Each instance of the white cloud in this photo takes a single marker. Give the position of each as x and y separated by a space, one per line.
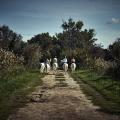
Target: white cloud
114 21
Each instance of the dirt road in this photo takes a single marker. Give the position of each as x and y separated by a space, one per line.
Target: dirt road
59 98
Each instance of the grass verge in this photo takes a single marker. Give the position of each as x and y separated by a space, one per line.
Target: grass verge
102 90
14 91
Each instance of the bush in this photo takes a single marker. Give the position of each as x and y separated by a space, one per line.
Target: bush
102 66
10 64
114 71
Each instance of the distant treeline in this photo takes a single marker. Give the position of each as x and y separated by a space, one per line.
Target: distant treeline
72 42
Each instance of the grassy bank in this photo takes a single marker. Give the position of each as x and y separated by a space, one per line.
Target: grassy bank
13 90
102 90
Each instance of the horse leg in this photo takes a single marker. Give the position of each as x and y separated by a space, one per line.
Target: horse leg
41 69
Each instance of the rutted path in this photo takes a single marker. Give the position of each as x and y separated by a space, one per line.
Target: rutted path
60 98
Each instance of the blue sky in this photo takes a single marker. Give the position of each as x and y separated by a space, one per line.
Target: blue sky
31 17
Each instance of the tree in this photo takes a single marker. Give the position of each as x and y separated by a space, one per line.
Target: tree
75 39
44 40
79 25
10 40
32 55
115 49
115 52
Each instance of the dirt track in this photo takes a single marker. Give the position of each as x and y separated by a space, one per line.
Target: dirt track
60 98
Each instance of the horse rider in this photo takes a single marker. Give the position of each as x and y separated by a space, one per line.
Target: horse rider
64 60
73 60
55 64
47 61
55 59
73 65
65 65
47 65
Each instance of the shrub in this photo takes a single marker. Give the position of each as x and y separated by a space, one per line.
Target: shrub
10 63
102 66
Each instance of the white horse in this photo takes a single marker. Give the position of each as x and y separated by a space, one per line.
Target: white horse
73 67
47 68
55 67
42 67
65 67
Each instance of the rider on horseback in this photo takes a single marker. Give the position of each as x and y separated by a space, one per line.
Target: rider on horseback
73 65
65 65
47 65
73 60
55 59
47 61
64 60
55 63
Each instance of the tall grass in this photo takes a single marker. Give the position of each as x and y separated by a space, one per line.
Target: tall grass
108 88
14 88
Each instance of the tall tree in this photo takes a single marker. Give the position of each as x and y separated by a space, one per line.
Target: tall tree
10 40
115 49
74 38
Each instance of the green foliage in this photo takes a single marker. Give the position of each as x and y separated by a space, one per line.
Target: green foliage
32 54
114 71
10 40
102 66
44 40
115 49
74 36
106 89
72 40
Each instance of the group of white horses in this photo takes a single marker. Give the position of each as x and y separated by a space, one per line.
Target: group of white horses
46 67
